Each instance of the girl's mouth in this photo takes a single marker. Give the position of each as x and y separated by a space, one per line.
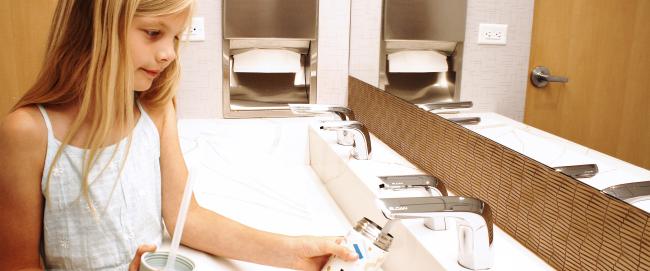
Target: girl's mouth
151 73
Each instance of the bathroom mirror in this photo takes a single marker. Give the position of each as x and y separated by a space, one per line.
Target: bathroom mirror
373 49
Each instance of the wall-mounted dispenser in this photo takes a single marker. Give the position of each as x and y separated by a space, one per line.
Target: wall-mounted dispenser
269 56
421 49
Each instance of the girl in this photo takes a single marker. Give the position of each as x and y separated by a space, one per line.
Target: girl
91 163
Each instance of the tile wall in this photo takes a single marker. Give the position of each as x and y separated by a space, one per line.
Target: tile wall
199 94
494 77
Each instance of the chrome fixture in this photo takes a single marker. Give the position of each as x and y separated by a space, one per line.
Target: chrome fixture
630 192
434 186
446 105
342 112
342 137
421 49
269 56
541 76
579 171
361 144
474 223
466 120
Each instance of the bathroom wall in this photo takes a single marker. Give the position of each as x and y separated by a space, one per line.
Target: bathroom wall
199 94
494 77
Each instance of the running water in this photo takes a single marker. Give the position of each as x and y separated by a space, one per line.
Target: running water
180 223
386 228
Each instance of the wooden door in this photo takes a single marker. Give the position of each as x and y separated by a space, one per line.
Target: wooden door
603 47
24 26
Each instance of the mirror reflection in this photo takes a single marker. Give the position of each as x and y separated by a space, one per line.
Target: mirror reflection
435 54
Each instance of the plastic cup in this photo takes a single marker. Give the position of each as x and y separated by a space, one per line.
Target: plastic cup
156 261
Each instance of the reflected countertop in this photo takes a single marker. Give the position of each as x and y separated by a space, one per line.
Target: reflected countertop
553 150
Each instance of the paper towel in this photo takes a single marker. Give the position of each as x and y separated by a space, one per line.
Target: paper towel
267 61
417 62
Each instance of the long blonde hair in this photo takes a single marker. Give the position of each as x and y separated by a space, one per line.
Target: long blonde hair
87 62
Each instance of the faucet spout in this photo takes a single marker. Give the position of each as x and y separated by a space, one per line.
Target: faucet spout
579 171
447 105
342 137
466 120
342 112
630 192
434 186
474 223
361 145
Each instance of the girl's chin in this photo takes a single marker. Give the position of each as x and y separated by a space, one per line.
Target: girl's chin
142 86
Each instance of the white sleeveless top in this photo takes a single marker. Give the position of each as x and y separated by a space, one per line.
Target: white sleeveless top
127 210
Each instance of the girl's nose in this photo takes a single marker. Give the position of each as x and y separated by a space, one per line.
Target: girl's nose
166 54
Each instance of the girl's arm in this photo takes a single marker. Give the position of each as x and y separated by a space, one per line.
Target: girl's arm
23 143
218 235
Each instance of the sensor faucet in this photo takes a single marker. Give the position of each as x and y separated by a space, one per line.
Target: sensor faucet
475 224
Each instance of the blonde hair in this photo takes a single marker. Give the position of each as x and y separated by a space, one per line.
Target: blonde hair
87 62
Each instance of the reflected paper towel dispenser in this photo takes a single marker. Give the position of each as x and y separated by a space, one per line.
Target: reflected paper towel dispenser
421 49
269 56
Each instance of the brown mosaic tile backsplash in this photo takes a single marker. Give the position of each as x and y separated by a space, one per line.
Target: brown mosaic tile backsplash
568 224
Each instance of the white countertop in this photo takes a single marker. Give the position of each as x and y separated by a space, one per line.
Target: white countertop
256 171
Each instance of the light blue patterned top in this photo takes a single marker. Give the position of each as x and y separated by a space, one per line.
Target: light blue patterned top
128 206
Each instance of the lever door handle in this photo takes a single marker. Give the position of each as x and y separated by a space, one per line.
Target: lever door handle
541 76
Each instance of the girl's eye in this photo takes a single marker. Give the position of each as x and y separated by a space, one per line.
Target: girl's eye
152 33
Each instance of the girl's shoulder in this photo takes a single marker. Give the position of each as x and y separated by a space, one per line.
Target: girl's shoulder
160 114
24 130
25 122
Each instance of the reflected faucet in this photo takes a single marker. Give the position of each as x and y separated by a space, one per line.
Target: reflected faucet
361 138
446 105
630 192
466 121
442 107
474 225
342 137
579 171
433 186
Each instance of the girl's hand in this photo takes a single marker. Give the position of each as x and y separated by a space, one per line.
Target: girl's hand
135 263
311 253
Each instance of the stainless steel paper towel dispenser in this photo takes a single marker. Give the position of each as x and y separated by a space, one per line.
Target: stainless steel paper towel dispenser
269 56
421 49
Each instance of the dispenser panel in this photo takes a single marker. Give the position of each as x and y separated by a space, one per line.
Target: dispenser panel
270 19
433 20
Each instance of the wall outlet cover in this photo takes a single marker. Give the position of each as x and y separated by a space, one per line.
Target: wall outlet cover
492 34
196 31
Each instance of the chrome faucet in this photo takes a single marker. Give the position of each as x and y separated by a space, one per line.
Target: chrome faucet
630 192
474 224
446 105
466 120
433 107
431 184
342 137
361 138
579 171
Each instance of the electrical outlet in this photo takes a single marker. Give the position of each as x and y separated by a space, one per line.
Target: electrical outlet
196 31
492 34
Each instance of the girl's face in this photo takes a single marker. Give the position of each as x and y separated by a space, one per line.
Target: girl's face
151 45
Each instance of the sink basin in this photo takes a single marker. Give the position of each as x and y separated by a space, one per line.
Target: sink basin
261 181
354 185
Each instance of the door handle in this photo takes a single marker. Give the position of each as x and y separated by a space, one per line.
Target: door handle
540 76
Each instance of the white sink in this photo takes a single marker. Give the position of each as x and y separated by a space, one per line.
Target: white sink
354 186
256 171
